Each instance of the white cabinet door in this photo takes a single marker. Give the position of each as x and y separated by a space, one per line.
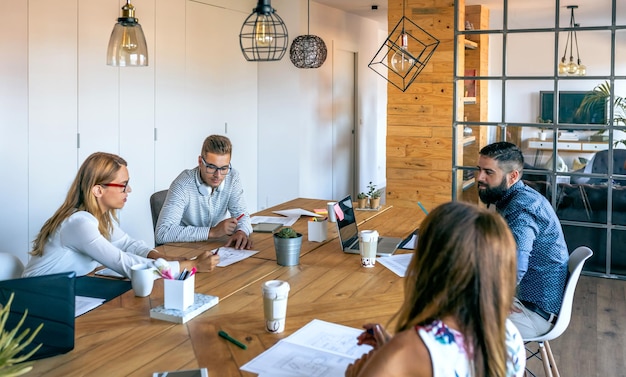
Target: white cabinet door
52 87
215 93
14 130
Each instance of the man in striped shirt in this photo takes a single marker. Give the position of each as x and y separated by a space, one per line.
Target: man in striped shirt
198 200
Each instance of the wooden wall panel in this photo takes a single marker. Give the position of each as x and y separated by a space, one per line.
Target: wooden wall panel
419 120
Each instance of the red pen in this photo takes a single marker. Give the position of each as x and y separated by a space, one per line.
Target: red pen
240 216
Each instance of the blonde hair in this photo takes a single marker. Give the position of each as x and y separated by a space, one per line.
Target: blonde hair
97 169
464 266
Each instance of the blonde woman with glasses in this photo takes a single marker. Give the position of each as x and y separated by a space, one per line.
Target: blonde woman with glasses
84 233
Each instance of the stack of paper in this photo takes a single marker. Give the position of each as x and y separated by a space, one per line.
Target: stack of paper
318 349
85 304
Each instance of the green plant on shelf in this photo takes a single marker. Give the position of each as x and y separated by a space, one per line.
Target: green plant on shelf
361 195
600 96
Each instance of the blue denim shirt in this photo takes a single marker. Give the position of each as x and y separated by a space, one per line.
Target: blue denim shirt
542 254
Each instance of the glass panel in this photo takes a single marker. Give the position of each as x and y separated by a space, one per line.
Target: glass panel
522 100
594 50
522 46
594 238
527 14
588 14
618 252
582 202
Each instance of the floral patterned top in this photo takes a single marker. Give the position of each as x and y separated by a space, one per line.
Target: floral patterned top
449 357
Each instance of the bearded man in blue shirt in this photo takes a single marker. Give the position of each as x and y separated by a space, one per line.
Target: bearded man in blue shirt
542 254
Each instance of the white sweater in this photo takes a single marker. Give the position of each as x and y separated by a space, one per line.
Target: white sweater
77 245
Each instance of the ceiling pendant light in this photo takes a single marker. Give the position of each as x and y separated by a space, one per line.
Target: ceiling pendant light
572 68
308 51
404 54
127 45
263 35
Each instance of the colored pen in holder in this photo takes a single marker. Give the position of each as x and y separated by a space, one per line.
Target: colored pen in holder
179 294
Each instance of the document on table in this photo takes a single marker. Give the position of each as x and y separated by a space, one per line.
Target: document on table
398 263
230 255
85 304
285 221
296 213
319 349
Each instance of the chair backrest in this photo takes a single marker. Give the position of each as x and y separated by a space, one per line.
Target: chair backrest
575 266
11 267
156 203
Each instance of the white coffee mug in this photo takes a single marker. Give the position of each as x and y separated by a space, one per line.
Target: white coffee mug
142 279
332 216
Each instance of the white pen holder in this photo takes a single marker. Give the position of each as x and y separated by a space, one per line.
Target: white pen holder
178 294
318 231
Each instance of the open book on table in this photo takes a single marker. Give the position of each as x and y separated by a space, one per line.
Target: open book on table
320 349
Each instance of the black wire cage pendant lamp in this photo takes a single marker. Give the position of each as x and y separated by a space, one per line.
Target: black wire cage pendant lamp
572 68
404 54
127 45
308 51
263 35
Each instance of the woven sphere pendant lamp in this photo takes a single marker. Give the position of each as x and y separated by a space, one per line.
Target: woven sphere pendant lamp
308 51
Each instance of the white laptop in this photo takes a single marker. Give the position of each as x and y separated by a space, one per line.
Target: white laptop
349 232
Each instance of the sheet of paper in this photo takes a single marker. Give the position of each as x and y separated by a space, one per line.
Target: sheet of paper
230 255
296 212
319 349
85 304
285 221
110 273
398 263
410 245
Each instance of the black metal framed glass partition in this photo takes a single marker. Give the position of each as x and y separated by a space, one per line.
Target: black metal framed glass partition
570 127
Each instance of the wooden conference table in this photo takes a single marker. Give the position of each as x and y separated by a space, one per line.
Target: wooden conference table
120 339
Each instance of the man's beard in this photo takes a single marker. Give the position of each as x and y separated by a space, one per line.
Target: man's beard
491 195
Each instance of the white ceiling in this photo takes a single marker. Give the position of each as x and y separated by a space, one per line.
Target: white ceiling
361 8
588 9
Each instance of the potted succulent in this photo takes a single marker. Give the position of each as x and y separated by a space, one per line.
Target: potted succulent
374 196
287 243
361 199
12 343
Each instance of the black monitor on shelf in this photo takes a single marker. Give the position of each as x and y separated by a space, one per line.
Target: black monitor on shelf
569 102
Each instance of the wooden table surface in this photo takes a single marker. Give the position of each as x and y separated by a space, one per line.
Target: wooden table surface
120 339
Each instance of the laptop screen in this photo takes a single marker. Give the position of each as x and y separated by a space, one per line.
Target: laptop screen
49 299
348 231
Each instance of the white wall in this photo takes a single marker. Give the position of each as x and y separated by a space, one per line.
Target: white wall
295 109
56 88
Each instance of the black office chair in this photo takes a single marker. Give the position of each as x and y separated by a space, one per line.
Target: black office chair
156 203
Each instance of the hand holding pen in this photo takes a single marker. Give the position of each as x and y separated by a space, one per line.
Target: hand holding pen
374 335
225 227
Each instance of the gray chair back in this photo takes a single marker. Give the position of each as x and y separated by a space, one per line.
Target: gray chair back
156 203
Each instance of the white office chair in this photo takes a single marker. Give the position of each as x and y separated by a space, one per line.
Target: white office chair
11 267
544 353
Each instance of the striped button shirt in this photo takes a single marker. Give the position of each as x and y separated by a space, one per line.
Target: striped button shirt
191 209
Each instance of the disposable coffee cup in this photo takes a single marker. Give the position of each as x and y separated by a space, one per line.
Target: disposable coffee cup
142 279
368 243
275 294
332 216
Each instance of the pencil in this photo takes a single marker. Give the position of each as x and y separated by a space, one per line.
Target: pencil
240 216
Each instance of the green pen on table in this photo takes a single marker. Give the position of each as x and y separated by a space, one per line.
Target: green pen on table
234 341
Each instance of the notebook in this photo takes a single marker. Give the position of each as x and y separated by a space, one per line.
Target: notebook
50 299
349 232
